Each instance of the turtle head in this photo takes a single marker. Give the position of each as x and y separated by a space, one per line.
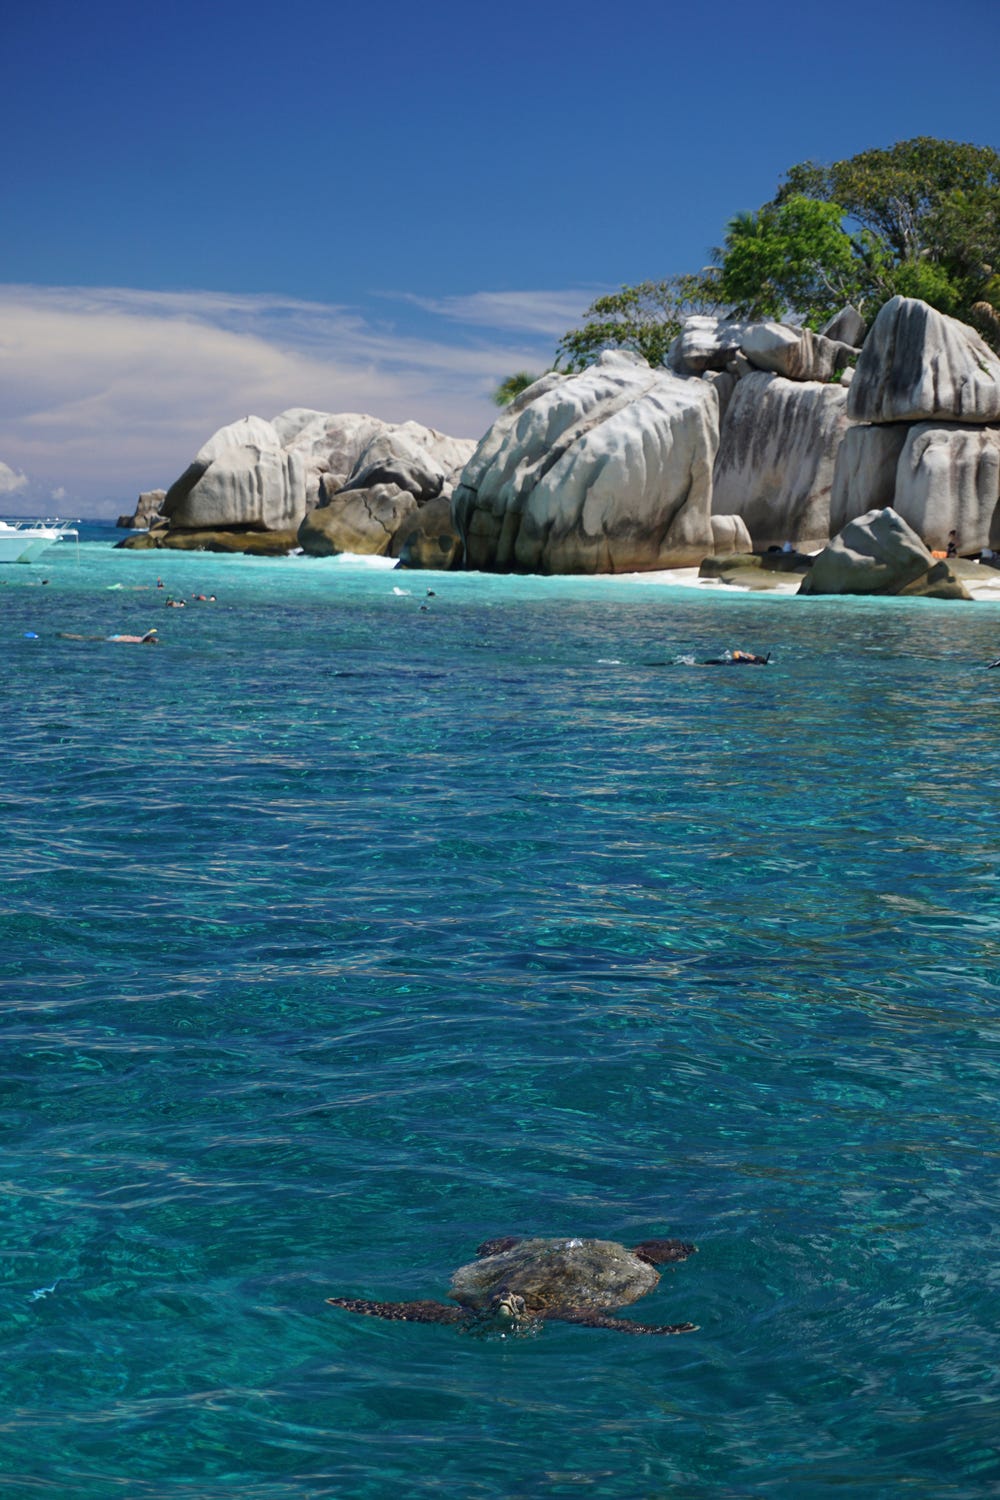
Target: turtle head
504 1316
508 1307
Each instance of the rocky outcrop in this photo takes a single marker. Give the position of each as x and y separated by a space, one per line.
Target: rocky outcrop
249 543
864 474
397 456
606 471
796 353
147 511
948 478
920 365
776 458
241 477
428 538
362 521
730 535
847 327
705 343
267 475
878 553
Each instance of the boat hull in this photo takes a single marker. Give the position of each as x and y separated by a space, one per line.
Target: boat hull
25 542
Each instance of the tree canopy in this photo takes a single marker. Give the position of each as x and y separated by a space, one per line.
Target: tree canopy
920 218
644 318
508 390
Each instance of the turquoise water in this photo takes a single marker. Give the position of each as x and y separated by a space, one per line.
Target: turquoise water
339 934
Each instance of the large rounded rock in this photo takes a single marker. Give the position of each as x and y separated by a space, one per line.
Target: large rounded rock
408 457
846 327
250 485
948 479
705 343
328 444
606 471
268 474
796 353
428 538
776 457
361 521
920 365
864 474
880 554
730 535
238 446
147 511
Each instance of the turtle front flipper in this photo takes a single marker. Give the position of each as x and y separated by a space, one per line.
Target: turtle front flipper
622 1325
497 1247
660 1252
402 1312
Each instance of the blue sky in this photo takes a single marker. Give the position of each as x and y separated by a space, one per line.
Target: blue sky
210 209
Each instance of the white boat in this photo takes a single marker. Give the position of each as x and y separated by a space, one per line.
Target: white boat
25 541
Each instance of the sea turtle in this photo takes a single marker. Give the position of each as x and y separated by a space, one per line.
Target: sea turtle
516 1283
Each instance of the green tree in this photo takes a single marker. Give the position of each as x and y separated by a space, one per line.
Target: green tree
644 318
508 390
790 259
929 215
899 193
920 218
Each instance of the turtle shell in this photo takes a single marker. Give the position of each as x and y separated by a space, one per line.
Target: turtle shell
551 1274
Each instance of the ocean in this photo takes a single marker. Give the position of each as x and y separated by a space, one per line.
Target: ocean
372 914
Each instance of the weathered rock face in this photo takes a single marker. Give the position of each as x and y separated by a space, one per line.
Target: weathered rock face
724 384
146 512
602 472
796 353
730 535
250 543
847 327
244 486
705 343
238 478
920 365
880 554
267 474
428 538
361 521
397 456
864 474
948 478
776 457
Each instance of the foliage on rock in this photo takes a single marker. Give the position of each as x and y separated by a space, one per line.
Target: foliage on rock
644 318
918 219
508 390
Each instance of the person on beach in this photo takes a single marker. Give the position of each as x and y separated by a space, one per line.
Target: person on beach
952 548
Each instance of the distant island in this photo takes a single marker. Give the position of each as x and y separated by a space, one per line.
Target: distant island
740 419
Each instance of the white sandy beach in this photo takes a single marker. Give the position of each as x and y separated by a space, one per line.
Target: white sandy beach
983 582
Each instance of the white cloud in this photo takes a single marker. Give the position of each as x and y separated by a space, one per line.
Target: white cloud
10 480
550 313
108 391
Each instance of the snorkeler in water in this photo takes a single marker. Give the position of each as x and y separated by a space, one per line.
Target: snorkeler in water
149 639
737 659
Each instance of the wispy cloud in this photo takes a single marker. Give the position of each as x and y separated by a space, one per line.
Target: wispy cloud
10 480
549 313
106 391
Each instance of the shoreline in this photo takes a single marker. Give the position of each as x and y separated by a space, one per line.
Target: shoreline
985 588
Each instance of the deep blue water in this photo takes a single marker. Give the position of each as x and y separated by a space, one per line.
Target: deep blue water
339 934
